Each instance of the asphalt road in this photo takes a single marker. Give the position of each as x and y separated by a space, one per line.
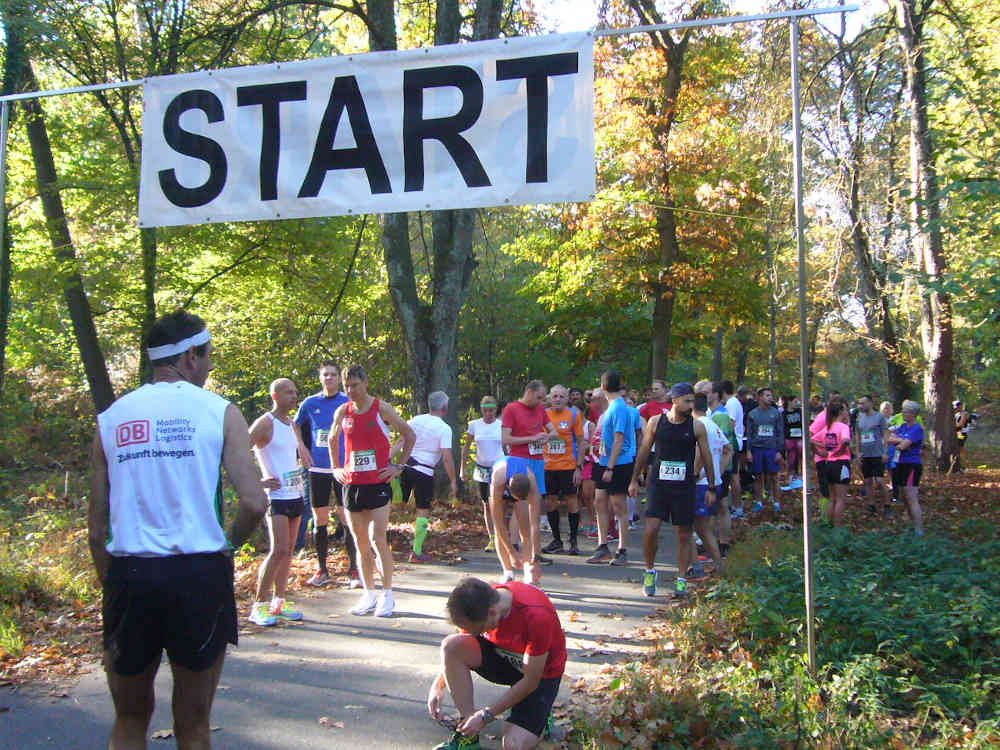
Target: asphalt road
369 675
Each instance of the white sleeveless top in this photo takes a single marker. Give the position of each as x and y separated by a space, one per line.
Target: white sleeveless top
280 459
163 444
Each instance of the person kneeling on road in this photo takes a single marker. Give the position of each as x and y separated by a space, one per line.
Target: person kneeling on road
509 634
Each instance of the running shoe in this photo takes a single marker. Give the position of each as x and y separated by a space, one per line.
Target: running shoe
355 578
490 546
543 525
613 534
322 578
260 614
592 532
633 525
601 555
757 507
507 576
460 742
385 605
285 609
777 507
649 582
736 513
366 604
680 588
573 549
421 558
555 547
620 558
540 560
696 571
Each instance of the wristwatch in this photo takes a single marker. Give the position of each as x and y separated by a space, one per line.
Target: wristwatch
487 715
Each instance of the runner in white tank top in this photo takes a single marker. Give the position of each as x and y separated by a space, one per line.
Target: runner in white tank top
156 536
279 447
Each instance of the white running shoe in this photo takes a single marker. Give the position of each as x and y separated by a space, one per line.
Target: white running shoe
367 603
385 604
507 576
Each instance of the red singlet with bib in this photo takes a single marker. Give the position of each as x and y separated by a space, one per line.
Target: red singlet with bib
366 444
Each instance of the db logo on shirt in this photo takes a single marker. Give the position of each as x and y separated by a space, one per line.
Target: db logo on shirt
130 433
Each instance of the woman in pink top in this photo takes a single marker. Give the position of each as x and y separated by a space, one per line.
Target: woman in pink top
830 436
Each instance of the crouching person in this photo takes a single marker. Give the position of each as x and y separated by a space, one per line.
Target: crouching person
509 635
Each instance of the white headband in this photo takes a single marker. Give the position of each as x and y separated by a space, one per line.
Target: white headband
169 350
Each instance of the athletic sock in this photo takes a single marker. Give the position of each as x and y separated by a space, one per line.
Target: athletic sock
553 516
420 534
350 548
574 526
322 545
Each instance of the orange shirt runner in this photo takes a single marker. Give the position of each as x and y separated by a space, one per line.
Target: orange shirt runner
560 453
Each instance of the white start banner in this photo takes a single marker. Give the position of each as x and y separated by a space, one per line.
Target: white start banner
500 122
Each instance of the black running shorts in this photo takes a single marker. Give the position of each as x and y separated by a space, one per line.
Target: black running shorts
532 713
559 482
359 497
288 508
838 472
420 484
320 487
872 467
671 505
621 475
183 603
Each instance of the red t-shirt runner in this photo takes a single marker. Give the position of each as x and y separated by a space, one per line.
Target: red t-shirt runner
366 444
531 627
651 408
524 421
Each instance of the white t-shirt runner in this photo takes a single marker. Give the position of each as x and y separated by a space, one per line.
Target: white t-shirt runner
489 446
433 436
717 442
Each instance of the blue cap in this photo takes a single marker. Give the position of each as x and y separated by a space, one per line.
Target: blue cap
681 389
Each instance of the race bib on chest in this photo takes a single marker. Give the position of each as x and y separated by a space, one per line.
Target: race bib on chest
673 471
536 448
794 432
480 474
765 430
868 436
292 480
363 461
557 447
322 437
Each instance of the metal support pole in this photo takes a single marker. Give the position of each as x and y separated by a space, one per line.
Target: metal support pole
800 221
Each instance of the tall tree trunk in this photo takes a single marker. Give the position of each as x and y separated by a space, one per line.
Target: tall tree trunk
430 328
925 211
717 354
663 290
10 82
69 276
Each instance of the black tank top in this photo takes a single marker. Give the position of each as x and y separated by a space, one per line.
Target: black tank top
675 447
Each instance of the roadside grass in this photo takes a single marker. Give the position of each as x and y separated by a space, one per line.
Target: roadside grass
908 643
47 583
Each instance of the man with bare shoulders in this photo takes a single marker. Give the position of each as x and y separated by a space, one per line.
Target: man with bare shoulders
162 556
676 437
278 447
365 473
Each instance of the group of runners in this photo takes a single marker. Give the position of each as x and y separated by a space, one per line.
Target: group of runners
687 452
